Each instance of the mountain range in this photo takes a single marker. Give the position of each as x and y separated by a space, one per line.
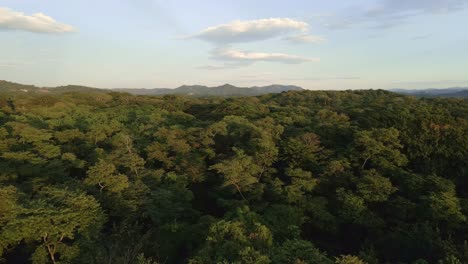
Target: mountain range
191 90
222 91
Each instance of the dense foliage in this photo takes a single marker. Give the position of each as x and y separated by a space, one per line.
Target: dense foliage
297 177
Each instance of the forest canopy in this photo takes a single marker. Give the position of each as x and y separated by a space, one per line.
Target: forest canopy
342 177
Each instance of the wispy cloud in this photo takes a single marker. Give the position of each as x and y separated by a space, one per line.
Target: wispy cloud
13 64
224 66
8 65
228 54
350 78
392 7
37 23
421 37
305 38
389 13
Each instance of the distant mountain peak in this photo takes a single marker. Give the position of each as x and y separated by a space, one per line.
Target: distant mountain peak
226 85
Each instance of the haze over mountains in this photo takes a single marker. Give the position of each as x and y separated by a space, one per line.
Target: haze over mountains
447 92
222 91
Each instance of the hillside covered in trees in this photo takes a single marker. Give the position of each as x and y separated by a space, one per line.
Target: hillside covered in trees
297 177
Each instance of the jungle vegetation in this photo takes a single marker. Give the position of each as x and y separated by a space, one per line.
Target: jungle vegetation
344 177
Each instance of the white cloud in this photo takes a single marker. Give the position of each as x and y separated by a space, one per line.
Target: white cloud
37 23
222 36
306 38
251 30
228 54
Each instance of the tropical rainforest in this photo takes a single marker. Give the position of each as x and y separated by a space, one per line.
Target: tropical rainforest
345 177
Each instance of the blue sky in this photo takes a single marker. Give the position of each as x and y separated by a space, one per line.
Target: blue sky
331 44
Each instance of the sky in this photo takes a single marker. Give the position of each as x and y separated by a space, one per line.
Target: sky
333 44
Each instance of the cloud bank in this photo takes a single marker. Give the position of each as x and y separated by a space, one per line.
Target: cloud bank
224 35
251 30
37 23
